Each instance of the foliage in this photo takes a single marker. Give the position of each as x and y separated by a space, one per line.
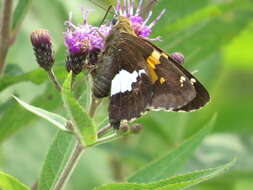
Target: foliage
214 36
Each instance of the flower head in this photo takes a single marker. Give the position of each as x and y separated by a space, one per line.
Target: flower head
84 37
140 25
42 47
82 40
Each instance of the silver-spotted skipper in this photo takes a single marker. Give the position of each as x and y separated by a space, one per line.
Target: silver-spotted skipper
138 76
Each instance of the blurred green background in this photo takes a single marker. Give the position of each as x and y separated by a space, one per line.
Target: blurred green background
216 37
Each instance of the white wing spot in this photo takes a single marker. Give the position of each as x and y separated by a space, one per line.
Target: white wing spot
193 80
182 79
122 82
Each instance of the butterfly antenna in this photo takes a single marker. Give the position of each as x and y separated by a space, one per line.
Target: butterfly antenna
97 4
106 14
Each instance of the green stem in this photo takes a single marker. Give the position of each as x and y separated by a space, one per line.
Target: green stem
78 150
69 167
107 139
54 79
5 30
101 132
94 105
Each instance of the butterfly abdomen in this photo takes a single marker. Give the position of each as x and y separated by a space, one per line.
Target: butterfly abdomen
102 78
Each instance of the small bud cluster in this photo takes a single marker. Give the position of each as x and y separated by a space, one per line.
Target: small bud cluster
178 57
126 129
42 47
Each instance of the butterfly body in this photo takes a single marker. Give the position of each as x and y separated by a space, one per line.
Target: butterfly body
138 76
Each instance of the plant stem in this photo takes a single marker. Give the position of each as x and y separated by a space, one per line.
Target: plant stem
94 105
117 169
54 79
108 139
5 30
78 150
70 166
103 130
35 185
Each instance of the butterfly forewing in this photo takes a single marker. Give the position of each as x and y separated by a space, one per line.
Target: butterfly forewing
131 88
202 97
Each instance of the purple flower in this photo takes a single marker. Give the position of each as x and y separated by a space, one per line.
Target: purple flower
84 38
140 26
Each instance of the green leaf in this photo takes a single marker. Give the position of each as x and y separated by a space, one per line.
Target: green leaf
49 100
122 186
8 182
37 76
83 124
212 24
20 12
57 157
174 183
189 179
53 118
172 161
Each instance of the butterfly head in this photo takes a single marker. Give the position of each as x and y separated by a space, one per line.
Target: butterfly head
122 24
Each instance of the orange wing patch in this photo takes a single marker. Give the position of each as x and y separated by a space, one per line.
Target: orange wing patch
152 61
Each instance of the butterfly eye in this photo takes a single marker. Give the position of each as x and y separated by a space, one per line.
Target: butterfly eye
114 21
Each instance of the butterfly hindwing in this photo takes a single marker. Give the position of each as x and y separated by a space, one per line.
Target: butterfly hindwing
201 98
131 88
172 89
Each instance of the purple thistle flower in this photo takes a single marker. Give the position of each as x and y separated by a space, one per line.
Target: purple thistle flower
139 25
83 40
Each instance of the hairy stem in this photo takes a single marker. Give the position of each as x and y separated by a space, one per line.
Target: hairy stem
94 105
101 132
5 30
54 79
78 150
69 167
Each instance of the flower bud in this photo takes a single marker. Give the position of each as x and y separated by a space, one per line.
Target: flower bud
42 47
93 56
178 57
136 128
75 62
123 129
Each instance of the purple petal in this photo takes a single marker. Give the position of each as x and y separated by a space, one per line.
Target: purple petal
132 8
157 18
147 19
125 8
139 8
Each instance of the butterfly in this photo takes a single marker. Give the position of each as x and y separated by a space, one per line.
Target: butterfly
138 76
